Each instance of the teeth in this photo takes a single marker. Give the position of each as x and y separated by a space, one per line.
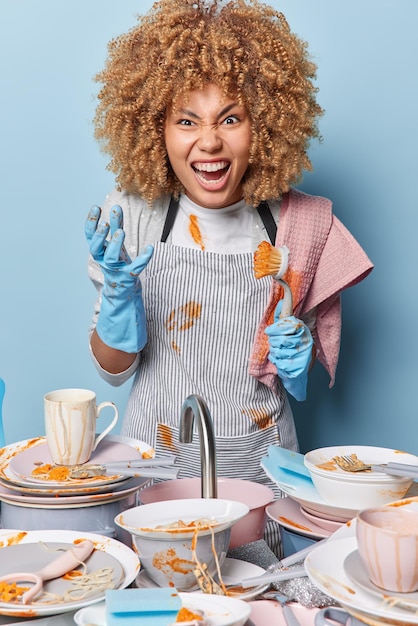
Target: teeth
211 167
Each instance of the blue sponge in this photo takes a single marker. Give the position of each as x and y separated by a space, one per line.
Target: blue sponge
154 606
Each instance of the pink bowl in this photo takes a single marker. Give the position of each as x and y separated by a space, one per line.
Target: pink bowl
254 495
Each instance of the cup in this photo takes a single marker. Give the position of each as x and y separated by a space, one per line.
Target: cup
70 424
387 539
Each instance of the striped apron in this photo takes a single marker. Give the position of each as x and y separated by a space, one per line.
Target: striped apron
202 310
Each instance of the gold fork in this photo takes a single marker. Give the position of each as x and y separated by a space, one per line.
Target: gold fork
351 463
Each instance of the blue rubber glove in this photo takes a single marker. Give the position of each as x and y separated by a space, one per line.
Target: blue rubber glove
290 351
121 323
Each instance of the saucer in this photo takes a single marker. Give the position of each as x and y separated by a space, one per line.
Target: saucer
355 570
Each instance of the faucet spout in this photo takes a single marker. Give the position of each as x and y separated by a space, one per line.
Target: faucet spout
195 408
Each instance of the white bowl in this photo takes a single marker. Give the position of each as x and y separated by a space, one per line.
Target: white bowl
222 610
357 490
255 495
165 547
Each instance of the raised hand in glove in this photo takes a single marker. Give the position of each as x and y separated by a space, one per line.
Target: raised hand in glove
121 323
290 351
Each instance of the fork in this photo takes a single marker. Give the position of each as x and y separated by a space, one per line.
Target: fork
351 463
289 617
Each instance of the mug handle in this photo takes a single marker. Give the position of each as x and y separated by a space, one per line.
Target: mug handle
337 616
111 425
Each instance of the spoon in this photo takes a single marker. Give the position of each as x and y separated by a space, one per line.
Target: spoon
64 563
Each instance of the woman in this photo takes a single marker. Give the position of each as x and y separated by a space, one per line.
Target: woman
207 131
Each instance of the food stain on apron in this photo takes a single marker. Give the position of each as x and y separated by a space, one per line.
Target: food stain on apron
194 230
260 418
183 319
165 436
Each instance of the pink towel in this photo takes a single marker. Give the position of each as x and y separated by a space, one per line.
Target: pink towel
324 260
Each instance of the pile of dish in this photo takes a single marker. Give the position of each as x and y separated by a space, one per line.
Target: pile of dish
305 511
335 567
87 504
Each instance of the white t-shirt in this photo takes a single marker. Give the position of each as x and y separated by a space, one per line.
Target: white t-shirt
232 229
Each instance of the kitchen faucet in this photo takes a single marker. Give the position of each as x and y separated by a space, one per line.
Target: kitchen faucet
194 407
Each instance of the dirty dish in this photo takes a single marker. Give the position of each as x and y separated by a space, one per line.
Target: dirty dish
66 561
287 513
29 455
231 570
326 524
357 490
194 532
220 611
325 567
28 548
255 495
354 569
121 489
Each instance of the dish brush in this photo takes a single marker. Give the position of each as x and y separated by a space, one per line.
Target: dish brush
272 261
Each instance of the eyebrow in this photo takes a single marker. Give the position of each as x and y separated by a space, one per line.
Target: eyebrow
224 111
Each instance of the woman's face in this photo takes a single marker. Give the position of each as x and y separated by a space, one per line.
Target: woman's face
207 137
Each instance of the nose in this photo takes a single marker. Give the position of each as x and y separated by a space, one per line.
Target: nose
209 138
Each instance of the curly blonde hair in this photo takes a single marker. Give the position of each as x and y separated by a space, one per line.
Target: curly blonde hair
243 46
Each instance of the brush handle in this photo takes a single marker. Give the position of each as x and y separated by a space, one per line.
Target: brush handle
287 306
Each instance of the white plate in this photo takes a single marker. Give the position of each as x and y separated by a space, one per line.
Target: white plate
355 570
232 569
129 564
119 491
26 458
301 489
219 610
235 569
269 613
113 447
287 513
325 567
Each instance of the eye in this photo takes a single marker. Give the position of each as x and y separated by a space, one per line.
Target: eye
231 119
185 122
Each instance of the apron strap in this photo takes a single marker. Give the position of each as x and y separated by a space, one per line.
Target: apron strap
268 221
170 218
263 211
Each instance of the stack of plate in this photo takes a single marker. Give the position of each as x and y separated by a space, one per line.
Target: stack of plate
304 512
84 504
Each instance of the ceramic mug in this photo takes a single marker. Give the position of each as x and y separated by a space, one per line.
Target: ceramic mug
332 617
70 424
387 539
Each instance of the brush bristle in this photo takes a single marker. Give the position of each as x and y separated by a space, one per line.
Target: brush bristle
267 260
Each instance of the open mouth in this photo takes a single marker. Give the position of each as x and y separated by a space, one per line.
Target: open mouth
211 173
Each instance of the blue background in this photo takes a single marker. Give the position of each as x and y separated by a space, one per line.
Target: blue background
52 172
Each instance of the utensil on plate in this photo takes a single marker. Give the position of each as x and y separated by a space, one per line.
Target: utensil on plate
268 577
63 564
141 468
289 617
351 463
